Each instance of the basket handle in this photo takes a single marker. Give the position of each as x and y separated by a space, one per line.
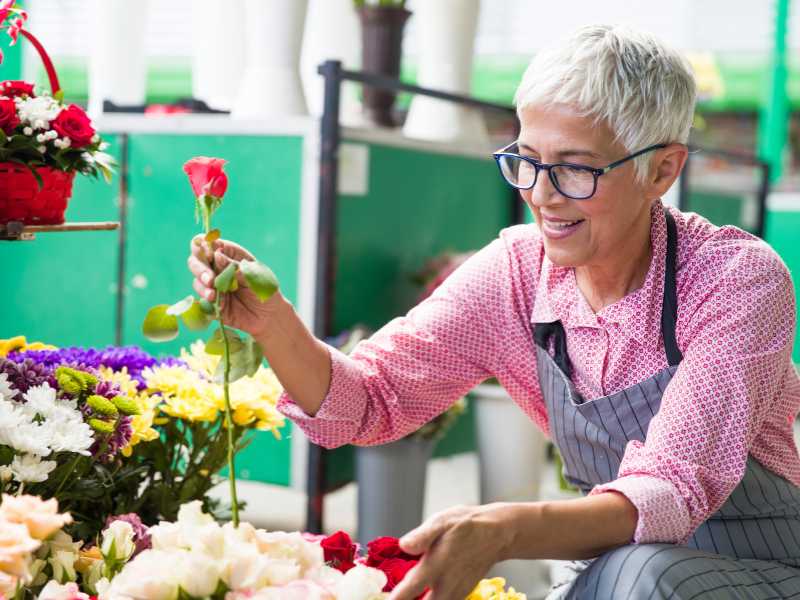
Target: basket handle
48 64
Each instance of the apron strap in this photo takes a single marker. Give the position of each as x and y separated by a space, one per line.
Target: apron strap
669 308
542 333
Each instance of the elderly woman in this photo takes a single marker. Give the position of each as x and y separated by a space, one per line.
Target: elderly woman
652 346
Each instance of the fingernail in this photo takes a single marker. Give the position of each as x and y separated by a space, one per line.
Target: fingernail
206 278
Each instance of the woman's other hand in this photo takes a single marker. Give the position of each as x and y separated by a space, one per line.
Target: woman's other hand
459 545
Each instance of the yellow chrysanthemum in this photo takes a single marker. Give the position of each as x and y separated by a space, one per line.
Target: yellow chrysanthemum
186 395
141 424
19 343
494 589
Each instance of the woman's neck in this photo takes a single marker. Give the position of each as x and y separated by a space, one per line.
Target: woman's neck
609 281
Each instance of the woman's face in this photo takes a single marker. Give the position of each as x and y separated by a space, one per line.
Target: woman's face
582 232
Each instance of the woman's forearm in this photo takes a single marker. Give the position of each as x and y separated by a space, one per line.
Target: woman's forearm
300 361
568 529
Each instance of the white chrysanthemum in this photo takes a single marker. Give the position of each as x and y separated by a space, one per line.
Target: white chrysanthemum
39 401
31 468
20 432
6 389
70 435
38 111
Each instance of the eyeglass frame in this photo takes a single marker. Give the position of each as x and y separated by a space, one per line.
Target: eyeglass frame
597 172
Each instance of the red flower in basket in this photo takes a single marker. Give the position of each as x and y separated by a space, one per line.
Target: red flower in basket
74 124
340 551
8 115
13 89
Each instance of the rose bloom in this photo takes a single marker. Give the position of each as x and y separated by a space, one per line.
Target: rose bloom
55 591
12 89
74 124
8 115
16 546
41 517
340 551
207 176
383 548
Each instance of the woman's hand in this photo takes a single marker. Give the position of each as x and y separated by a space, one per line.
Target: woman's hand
240 309
459 545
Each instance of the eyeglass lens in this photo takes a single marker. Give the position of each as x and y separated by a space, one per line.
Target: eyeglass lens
570 181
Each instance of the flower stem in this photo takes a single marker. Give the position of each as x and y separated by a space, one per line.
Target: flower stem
67 474
229 427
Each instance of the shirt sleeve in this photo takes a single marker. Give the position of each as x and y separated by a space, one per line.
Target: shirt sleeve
417 365
737 343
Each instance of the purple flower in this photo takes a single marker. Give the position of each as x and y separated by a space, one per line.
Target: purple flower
25 374
116 358
107 446
141 532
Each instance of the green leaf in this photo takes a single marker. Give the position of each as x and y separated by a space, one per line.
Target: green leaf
196 318
224 281
159 326
216 345
3 137
244 362
181 307
259 278
59 95
207 306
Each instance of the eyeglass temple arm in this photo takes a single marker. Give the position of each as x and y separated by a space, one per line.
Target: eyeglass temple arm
615 164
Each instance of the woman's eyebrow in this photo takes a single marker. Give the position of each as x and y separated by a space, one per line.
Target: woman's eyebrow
564 153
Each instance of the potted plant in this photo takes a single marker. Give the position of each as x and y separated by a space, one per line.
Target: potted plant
391 477
382 23
43 143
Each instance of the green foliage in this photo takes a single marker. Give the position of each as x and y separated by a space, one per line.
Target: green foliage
244 362
259 278
159 325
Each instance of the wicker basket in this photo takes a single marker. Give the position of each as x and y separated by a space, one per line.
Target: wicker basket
21 196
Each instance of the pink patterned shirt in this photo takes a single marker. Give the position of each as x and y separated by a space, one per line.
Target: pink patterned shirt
736 391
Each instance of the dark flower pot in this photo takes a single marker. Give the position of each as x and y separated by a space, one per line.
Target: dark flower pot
381 50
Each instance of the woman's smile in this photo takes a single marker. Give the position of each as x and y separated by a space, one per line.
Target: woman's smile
557 229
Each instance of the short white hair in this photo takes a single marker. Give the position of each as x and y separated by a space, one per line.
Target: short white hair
641 88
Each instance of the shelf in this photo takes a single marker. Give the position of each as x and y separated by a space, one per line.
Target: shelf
16 231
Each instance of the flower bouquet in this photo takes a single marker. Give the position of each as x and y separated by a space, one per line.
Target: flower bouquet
110 431
43 142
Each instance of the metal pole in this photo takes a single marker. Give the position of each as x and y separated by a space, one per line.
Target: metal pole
774 110
122 237
326 267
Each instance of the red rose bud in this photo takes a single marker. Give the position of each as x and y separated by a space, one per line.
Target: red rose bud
13 89
8 115
383 548
73 123
207 176
395 569
339 550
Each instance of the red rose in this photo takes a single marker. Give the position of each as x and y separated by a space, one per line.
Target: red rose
383 548
13 89
340 551
206 176
74 124
8 115
395 569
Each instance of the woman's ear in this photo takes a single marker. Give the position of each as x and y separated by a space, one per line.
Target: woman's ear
665 169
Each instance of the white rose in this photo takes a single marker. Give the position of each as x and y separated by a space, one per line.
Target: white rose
150 575
279 544
118 542
191 515
199 574
361 583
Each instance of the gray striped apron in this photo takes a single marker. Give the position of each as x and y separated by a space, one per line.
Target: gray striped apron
750 548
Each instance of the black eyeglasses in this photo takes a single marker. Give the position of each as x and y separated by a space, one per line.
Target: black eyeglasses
578 182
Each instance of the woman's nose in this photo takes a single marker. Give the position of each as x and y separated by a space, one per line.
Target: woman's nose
544 192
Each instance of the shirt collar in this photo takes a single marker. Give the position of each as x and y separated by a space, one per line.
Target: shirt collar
558 297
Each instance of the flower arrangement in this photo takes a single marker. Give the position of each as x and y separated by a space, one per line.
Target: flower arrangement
43 141
193 558
114 430
237 355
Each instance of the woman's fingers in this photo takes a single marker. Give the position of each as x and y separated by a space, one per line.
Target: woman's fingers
414 583
203 291
419 540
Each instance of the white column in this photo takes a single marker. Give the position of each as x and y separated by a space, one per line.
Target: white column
271 82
